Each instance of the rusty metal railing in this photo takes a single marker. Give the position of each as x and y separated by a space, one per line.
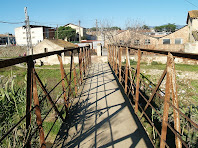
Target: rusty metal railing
70 83
143 95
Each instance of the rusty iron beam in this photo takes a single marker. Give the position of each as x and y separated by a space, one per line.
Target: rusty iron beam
116 66
63 81
48 96
166 104
80 65
29 90
13 61
120 63
175 102
137 82
126 71
38 112
156 89
191 56
74 74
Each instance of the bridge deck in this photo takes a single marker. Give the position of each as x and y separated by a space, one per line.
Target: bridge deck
101 116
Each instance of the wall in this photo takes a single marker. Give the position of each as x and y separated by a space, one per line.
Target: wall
12 51
36 35
191 48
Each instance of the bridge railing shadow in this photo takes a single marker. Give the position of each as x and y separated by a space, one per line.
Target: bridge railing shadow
84 109
165 127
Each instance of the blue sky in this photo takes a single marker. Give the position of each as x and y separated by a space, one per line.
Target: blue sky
51 12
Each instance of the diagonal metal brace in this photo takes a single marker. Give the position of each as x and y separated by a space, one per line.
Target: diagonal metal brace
48 96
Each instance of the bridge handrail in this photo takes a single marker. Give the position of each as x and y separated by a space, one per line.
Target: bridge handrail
84 57
132 80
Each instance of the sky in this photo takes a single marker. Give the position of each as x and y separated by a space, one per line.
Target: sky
115 12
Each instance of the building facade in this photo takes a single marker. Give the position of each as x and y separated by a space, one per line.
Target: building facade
7 39
78 29
38 34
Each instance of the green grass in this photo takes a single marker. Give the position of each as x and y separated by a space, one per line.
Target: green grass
47 126
159 66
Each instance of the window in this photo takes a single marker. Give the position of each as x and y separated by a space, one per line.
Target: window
178 41
137 42
23 32
32 31
166 41
33 37
45 50
147 42
23 37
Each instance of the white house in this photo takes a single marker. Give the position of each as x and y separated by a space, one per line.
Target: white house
38 33
78 29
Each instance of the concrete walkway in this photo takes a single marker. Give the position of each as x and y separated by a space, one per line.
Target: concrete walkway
101 116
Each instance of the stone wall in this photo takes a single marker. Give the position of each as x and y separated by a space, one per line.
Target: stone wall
12 51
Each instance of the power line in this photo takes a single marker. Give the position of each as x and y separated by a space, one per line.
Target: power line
191 3
11 22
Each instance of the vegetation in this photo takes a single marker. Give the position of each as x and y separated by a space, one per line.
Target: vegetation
188 100
13 105
66 33
145 27
167 28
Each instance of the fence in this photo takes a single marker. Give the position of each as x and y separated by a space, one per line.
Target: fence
70 82
150 103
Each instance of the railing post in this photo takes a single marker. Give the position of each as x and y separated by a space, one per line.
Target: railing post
137 82
30 65
116 66
114 58
126 71
83 56
170 84
120 63
175 103
38 112
90 54
110 53
74 74
70 74
80 64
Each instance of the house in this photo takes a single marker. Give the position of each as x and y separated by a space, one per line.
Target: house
192 21
38 34
49 45
7 39
78 29
172 41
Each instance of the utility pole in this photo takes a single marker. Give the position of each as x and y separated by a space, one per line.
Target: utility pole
96 27
57 31
28 33
79 32
8 40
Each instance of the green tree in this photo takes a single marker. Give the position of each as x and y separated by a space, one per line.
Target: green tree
145 27
93 29
168 28
115 28
66 32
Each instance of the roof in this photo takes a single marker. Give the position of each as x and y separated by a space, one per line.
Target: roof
192 14
72 24
62 43
6 35
35 26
